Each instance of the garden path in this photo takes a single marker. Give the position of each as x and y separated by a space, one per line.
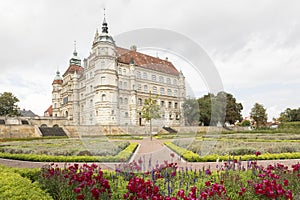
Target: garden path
151 152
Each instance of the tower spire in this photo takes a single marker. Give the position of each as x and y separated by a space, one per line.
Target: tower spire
75 52
104 24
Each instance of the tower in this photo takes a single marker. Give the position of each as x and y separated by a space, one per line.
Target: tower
103 66
56 88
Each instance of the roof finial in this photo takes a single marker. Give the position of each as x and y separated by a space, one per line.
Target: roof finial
104 24
75 52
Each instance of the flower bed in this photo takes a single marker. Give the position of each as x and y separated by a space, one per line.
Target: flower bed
168 182
121 156
193 157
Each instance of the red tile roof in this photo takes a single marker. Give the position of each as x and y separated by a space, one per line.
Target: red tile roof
57 81
73 68
146 61
48 111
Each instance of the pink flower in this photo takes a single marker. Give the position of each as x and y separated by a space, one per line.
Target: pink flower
257 153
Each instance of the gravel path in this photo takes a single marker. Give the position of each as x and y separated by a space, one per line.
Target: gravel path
151 153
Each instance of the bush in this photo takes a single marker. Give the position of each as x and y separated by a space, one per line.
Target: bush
14 186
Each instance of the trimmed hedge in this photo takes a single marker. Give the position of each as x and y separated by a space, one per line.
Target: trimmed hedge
184 153
14 186
121 156
193 157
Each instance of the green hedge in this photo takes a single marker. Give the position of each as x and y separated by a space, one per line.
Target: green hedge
14 186
121 156
184 153
193 157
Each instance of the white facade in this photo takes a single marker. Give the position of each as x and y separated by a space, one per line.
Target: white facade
111 86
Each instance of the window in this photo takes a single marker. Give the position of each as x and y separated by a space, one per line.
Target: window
125 100
162 104
120 85
91 88
154 90
126 114
120 70
124 71
174 82
170 117
91 74
161 79
55 105
153 77
145 88
102 80
169 92
125 86
170 104
145 75
138 74
177 116
91 102
175 105
112 112
140 101
103 98
121 100
162 91
65 100
139 87
168 81
175 93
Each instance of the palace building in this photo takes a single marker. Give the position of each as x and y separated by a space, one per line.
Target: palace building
111 85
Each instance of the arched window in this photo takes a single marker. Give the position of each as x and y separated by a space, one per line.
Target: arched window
125 100
174 82
153 77
154 90
168 81
66 114
103 98
145 88
161 79
145 75
169 92
162 91
121 100
140 101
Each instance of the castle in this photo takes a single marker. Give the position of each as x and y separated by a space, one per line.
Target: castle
112 85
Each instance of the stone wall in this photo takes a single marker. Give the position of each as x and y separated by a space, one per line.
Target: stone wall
18 131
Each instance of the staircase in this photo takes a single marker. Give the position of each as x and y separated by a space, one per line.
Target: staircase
52 131
169 129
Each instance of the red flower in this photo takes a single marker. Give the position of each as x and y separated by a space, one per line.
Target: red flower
285 182
257 153
77 190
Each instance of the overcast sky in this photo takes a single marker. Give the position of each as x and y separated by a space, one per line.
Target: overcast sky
254 44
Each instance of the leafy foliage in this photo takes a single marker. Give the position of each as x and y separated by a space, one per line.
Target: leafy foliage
14 186
290 115
8 105
258 113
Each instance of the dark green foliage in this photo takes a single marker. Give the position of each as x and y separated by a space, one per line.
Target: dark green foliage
191 112
8 105
259 114
290 115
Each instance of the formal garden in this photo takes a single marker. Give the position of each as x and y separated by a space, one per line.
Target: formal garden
230 178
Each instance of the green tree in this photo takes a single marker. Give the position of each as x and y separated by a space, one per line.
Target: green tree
259 115
8 105
150 110
219 109
233 109
205 109
191 112
290 115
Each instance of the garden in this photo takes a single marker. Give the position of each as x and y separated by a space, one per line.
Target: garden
231 180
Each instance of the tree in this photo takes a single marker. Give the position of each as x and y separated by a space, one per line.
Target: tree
233 109
290 115
150 110
191 112
205 108
259 115
8 105
219 109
